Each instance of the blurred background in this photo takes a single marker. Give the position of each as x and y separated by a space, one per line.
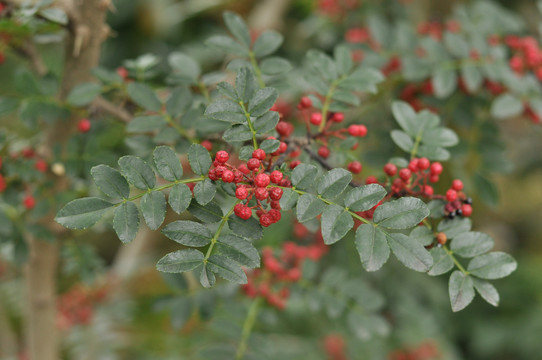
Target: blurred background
154 316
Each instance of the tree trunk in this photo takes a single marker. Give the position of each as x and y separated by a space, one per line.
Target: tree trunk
87 31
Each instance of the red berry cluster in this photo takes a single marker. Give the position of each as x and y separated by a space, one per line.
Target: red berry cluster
335 347
75 307
414 179
272 281
337 8
29 202
458 203
425 351
84 125
253 183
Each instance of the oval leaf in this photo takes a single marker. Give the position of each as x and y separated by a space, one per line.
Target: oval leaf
82 213
494 265
372 247
126 222
410 252
110 181
167 163
188 233
138 172
403 213
153 207
336 223
364 197
180 261
461 290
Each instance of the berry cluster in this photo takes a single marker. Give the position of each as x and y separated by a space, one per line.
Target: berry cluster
458 203
272 281
425 351
254 188
75 307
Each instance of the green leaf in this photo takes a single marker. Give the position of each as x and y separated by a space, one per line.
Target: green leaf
227 45
199 159
110 181
334 182
405 116
8 104
179 198
487 291
237 133
494 265
167 163
227 269
188 233
487 190
461 290
506 106
153 207
207 277
179 101
53 14
322 64
180 261
275 65
266 123
237 27
372 247
364 197
336 223
267 43
472 77
402 140
226 110
204 191
442 262
454 227
422 235
83 94
226 89
144 96
410 252
239 250
262 101
183 65
82 213
249 229
343 59
444 82
245 84
308 207
146 123
471 244
209 213
363 79
288 199
270 145
403 213
440 136
303 176
138 172
126 222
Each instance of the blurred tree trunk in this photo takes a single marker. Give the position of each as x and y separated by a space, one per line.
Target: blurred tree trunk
86 32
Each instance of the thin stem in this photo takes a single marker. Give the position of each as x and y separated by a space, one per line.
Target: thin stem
218 231
250 125
257 70
416 144
327 102
177 127
454 259
167 186
247 327
204 91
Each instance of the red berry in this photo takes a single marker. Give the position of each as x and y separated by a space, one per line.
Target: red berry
83 125
41 165
228 176
3 184
390 169
253 164
266 220
433 178
294 163
259 154
413 165
305 102
219 170
28 153
261 193
222 156
323 151
275 214
316 119
451 195
355 167
423 163
275 204
457 185
371 180
262 180
207 145
275 193
466 210
338 117
29 202
241 193
357 130
238 176
284 128
276 177
212 175
243 169
405 174
428 190
122 72
294 274
436 168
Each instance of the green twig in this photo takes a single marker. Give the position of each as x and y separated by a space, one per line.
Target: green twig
257 70
250 125
454 259
167 186
217 233
247 327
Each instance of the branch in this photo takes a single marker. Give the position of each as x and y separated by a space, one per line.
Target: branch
106 106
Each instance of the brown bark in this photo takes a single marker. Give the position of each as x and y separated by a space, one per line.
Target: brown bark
87 31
